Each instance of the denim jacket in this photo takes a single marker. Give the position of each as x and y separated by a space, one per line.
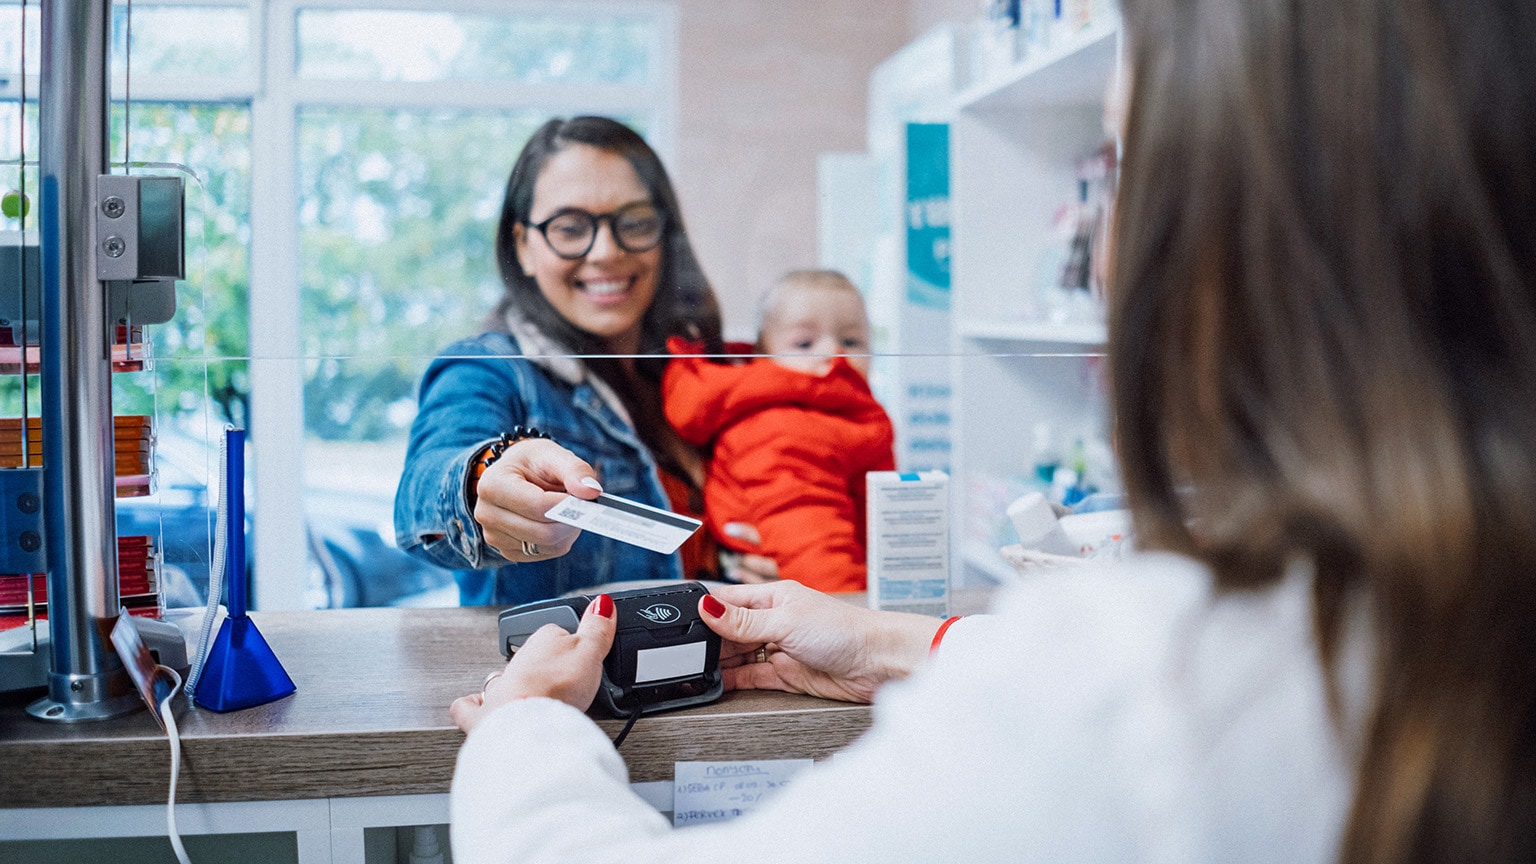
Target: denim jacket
471 393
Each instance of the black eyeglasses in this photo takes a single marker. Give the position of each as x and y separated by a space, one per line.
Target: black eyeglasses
637 227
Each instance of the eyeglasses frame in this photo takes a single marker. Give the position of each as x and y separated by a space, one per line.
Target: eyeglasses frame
597 225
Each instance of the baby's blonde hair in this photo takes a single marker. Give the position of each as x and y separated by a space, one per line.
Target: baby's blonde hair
820 280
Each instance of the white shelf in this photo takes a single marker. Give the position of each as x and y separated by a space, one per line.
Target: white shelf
1089 335
989 561
1074 72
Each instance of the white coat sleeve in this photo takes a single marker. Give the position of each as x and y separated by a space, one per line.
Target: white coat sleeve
536 779
953 770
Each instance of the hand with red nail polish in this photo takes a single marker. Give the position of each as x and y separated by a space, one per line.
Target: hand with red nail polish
811 642
553 664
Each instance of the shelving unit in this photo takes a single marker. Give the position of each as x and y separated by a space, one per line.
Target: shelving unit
910 336
1064 74
1079 336
1015 142
989 561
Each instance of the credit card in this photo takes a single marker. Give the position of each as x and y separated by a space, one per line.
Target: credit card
626 521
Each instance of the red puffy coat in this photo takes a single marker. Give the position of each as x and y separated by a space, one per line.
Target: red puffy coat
790 454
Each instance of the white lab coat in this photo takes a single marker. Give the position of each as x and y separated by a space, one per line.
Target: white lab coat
1122 715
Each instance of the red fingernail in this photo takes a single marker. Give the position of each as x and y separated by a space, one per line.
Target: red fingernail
714 607
603 605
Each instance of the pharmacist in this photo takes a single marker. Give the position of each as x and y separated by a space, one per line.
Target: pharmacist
1323 349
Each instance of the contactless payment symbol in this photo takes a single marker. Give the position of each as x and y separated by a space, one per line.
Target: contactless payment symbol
660 613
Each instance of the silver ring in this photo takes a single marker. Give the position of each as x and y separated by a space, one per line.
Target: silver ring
491 676
761 656
530 549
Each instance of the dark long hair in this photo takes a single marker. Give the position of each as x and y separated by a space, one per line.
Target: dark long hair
684 304
1323 347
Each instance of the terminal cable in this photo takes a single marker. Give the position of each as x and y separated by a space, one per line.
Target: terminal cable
174 736
628 725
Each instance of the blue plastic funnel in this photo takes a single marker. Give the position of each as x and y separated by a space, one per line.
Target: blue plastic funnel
241 671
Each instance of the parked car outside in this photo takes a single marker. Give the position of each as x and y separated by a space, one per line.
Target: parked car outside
353 560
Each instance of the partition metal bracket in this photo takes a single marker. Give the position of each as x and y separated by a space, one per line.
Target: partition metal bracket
22 548
140 226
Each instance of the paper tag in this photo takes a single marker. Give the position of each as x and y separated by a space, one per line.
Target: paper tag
140 664
705 792
626 521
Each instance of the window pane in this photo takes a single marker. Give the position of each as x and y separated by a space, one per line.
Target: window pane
397 212
182 40
167 40
11 38
14 120
439 46
199 377
214 142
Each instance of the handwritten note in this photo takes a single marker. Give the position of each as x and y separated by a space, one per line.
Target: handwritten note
716 791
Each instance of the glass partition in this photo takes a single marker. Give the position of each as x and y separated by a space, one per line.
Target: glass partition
348 171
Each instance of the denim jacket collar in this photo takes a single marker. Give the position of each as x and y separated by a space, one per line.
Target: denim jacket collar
538 348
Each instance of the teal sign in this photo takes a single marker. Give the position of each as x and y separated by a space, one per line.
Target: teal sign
927 215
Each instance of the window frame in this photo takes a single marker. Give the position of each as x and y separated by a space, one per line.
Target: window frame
275 95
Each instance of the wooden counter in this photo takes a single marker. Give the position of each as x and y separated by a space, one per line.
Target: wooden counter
370 718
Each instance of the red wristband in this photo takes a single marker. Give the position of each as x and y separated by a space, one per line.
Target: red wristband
939 636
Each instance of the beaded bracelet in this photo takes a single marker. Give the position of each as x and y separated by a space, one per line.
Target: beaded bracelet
488 456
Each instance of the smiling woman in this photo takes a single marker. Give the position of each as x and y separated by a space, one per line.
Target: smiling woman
595 279
598 273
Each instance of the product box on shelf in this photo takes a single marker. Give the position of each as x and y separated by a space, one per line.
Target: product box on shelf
24 596
995 40
1072 273
908 522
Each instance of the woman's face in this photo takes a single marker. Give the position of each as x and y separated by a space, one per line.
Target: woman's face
607 291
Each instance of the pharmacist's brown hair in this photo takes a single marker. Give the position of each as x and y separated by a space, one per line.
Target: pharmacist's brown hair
1323 348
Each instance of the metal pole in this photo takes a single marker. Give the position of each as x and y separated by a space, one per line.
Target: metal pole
87 681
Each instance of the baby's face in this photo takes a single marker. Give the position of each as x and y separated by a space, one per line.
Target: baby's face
809 327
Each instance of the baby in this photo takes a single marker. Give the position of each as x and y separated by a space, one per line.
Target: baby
794 434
